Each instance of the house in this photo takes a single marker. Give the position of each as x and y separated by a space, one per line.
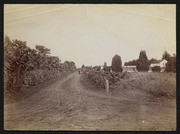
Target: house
161 63
129 69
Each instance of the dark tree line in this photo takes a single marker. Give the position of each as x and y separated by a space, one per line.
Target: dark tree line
131 63
143 62
19 59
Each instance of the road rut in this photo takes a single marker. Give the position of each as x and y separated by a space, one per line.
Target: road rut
68 105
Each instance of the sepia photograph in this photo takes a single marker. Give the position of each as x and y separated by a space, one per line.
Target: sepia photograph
100 67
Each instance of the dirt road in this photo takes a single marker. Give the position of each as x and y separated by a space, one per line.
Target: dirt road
68 105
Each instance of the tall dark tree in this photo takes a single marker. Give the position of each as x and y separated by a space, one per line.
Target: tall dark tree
116 64
166 56
171 64
143 62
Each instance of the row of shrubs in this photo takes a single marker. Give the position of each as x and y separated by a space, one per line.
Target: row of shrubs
25 67
156 69
36 77
99 77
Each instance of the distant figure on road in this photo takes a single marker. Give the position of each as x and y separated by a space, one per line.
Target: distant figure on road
79 71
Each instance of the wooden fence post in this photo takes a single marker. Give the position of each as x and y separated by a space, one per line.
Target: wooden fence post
107 85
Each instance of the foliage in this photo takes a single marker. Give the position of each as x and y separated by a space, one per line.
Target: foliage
156 69
98 77
15 57
153 61
116 64
105 64
155 84
166 56
82 66
143 62
69 66
131 63
106 68
35 77
171 64
22 65
97 68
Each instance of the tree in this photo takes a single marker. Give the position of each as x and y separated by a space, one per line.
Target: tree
116 64
42 50
166 56
153 61
69 66
42 54
171 64
131 63
20 59
16 58
8 56
23 65
82 66
143 62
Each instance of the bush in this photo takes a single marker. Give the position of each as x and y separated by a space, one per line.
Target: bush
98 77
156 69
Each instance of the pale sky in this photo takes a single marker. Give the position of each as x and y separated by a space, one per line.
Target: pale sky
92 34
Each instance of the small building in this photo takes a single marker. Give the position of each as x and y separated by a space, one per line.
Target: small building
160 63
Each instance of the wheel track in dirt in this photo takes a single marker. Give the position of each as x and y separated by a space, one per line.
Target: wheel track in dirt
68 102
74 83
